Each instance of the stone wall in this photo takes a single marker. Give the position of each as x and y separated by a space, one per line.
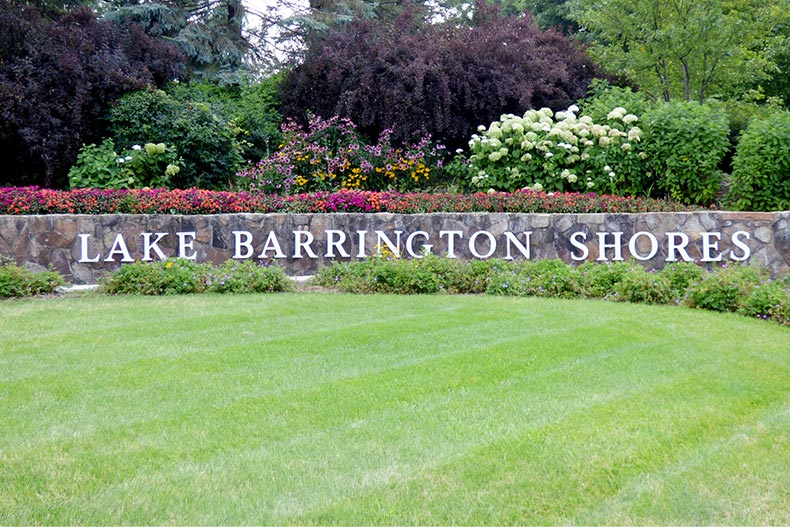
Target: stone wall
83 247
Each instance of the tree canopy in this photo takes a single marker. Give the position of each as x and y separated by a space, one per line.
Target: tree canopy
57 79
208 32
687 49
444 79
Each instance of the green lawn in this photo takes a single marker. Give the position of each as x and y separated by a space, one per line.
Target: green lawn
338 409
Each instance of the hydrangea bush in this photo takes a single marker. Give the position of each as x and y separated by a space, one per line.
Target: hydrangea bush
559 152
149 165
331 154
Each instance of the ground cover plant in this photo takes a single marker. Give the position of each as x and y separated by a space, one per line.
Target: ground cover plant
338 409
739 289
180 276
18 281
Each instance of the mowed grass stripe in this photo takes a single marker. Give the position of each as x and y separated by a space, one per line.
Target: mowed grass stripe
387 410
177 366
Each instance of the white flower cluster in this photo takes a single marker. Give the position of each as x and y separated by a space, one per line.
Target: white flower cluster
549 146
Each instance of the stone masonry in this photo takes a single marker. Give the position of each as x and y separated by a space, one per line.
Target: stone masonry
83 247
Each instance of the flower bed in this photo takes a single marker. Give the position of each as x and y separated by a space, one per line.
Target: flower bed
34 200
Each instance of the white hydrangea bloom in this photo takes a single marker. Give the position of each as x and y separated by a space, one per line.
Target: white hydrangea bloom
617 113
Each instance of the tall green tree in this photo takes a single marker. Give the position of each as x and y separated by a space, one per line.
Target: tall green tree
689 49
209 32
547 13
47 9
777 49
283 32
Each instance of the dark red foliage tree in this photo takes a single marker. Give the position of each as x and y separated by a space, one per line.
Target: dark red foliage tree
57 82
441 79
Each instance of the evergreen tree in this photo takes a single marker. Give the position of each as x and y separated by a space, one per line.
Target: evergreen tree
209 32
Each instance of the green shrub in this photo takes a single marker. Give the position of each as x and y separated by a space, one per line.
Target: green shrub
17 281
725 289
429 274
597 280
151 165
602 97
770 301
750 106
743 289
761 166
208 143
559 152
169 277
246 277
181 276
685 143
402 276
251 110
545 278
681 276
640 286
257 112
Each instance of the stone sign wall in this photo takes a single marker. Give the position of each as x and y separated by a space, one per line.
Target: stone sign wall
82 247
